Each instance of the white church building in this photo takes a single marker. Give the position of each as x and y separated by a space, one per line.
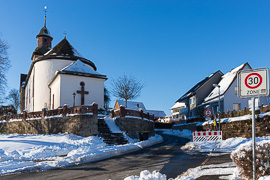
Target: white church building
59 76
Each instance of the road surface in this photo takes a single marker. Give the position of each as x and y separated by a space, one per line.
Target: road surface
166 158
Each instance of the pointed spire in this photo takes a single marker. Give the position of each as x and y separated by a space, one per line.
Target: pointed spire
45 15
44 31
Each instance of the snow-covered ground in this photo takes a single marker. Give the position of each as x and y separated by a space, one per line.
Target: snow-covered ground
214 149
20 153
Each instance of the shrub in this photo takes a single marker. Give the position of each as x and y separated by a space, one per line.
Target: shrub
242 157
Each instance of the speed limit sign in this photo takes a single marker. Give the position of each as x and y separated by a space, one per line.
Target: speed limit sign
208 113
253 83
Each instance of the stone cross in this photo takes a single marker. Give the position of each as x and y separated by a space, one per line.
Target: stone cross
82 92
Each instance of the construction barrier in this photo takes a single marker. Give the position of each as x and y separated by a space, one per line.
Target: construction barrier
199 136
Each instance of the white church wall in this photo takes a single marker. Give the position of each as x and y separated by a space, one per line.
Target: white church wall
55 93
29 93
71 84
44 72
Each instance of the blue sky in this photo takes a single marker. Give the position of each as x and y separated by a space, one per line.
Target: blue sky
169 45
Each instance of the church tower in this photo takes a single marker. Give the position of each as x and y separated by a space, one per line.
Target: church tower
44 41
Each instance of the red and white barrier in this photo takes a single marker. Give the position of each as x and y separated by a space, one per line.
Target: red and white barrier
207 136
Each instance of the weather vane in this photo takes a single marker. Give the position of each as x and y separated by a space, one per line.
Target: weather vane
45 10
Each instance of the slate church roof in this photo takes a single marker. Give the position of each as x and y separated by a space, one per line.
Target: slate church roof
64 50
41 50
44 32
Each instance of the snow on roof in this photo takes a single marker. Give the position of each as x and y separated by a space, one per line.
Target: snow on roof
193 90
132 105
157 113
216 99
79 66
224 83
63 48
178 105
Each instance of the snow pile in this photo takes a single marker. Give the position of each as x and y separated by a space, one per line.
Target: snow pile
227 145
146 175
41 152
264 178
242 156
185 133
264 114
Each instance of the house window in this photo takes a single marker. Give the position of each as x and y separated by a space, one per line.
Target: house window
138 105
236 107
192 100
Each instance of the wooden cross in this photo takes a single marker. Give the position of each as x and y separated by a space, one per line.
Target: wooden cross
82 92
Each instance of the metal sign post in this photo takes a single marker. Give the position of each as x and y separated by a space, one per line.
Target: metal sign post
208 119
253 138
253 83
208 113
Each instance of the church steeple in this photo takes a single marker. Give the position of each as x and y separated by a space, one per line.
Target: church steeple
44 40
44 36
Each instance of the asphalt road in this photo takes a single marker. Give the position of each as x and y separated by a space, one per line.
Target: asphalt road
166 158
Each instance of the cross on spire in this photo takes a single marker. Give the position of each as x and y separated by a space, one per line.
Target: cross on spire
82 92
65 34
45 15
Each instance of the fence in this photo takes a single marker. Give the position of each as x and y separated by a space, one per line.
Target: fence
207 136
123 112
228 114
243 112
60 111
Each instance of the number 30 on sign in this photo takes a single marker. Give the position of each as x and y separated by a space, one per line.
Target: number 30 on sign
253 83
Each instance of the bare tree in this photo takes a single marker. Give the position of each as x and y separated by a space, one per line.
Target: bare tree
14 98
126 87
4 65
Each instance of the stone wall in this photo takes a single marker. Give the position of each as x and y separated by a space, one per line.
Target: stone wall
132 126
244 128
189 126
82 125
